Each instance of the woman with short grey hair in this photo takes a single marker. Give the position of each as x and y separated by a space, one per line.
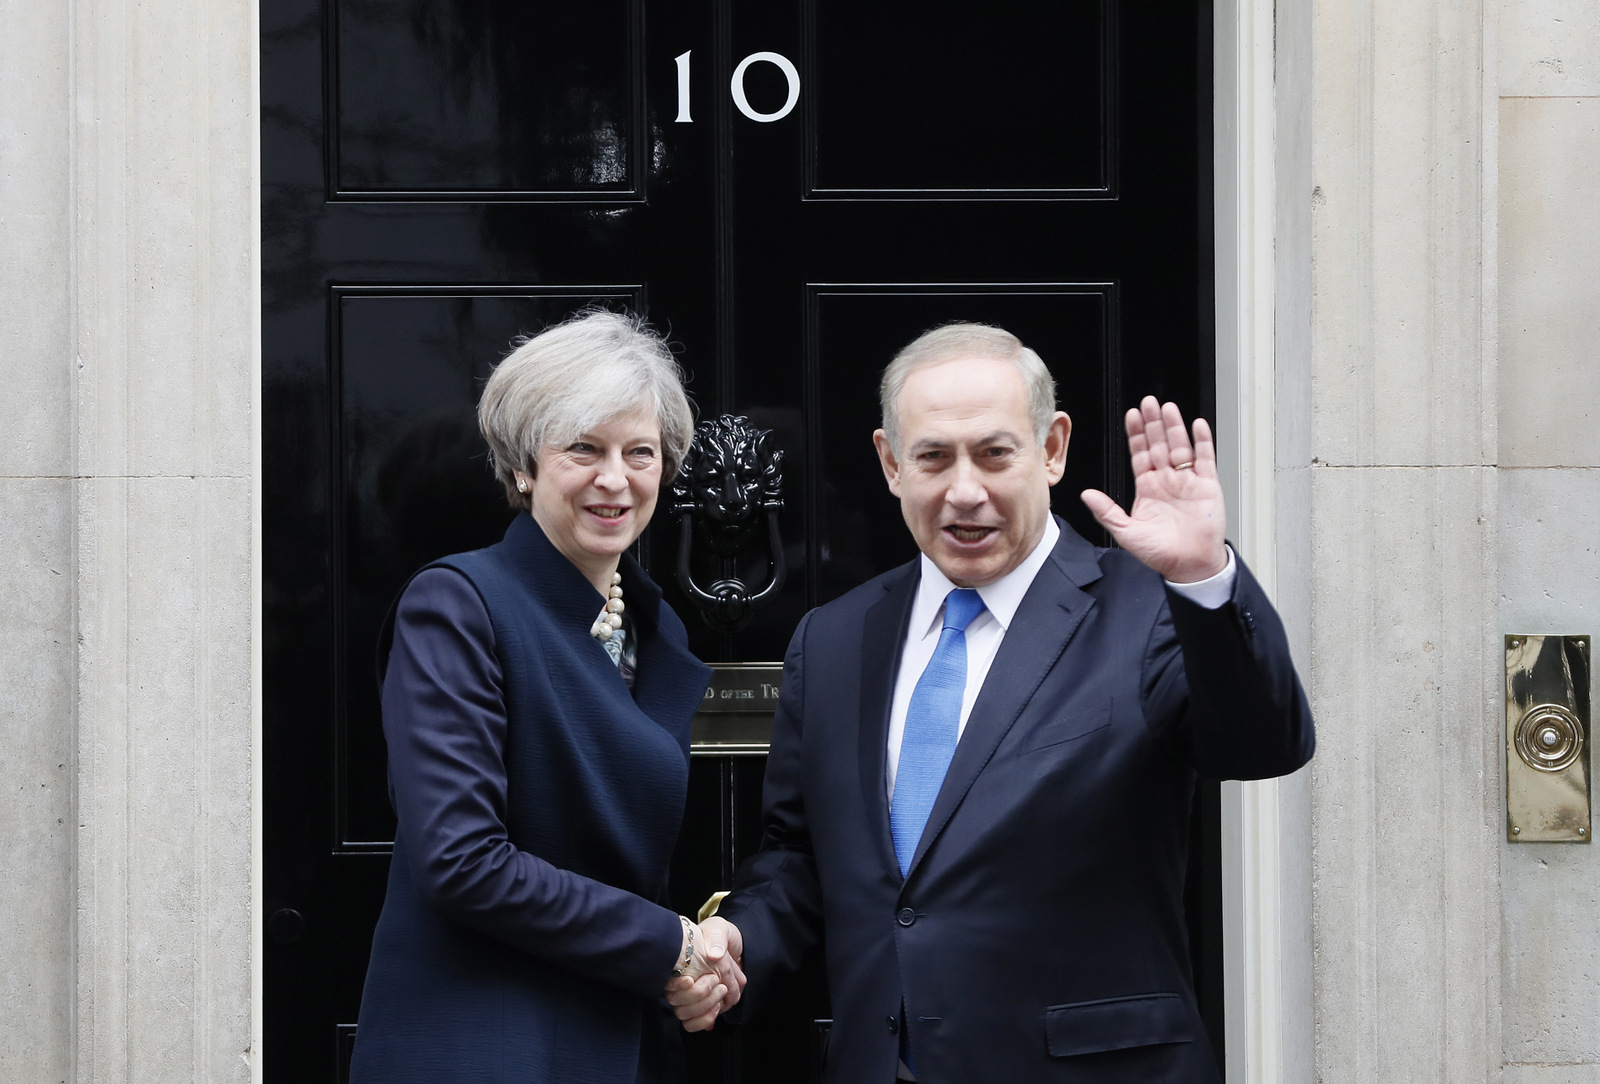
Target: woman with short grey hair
536 701
558 383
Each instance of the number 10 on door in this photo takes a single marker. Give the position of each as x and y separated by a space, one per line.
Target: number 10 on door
736 86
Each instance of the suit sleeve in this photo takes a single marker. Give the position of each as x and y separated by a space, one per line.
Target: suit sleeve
777 898
1224 682
445 722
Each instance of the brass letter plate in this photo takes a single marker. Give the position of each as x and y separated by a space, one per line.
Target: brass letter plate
1547 739
735 716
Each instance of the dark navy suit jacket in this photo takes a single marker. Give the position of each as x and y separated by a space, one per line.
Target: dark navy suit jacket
538 806
1040 934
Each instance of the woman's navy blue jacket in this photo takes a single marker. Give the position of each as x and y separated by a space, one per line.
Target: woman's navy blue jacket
521 938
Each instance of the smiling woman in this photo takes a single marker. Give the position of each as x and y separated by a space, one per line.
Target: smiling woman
539 753
593 495
585 422
571 377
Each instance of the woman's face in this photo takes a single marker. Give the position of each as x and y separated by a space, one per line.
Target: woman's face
594 496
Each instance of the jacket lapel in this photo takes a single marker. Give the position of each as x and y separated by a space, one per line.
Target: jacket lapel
1051 612
883 634
670 682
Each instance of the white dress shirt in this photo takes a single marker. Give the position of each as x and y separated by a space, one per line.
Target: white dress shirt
1000 599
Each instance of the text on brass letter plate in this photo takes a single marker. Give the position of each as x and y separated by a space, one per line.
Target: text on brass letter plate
1547 739
735 716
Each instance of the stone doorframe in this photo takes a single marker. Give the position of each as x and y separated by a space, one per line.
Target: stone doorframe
1262 156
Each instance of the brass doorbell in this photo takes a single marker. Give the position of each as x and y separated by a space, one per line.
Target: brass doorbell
1547 739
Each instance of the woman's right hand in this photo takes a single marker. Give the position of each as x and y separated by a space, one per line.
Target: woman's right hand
712 982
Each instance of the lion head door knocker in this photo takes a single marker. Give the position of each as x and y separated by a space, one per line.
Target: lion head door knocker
730 486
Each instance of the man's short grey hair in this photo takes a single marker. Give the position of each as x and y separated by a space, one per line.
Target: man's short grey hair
952 341
557 385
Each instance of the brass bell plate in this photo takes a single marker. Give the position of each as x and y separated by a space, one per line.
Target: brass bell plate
1548 750
735 716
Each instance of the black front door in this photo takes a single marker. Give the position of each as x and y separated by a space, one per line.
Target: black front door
791 190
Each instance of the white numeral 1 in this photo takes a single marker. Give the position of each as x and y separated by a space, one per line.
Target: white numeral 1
683 88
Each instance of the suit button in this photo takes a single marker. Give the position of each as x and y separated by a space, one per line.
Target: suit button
894 1026
906 916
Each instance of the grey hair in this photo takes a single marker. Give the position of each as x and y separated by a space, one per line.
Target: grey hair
556 385
952 341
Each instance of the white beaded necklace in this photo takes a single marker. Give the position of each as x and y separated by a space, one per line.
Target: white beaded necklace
610 619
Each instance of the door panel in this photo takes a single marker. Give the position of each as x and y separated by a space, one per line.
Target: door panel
488 101
440 176
1001 101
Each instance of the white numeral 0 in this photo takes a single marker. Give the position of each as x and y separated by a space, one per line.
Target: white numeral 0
782 63
736 86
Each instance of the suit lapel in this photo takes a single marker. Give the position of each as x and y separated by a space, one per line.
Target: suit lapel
883 633
1051 612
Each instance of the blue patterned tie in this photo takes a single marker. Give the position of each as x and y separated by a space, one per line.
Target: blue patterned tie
932 720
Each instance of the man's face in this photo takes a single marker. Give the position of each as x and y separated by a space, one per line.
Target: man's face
974 485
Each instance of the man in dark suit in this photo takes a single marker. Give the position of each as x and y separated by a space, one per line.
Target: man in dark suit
982 764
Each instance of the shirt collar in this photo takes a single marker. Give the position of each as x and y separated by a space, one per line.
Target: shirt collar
1000 598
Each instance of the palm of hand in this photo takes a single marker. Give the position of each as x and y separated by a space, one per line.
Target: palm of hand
1178 520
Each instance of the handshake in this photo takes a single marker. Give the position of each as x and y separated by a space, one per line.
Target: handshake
712 980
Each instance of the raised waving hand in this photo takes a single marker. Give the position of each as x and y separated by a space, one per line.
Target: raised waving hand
1178 519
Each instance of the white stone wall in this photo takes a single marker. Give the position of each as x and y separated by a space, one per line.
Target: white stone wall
1405 785
38 750
1455 391
1549 488
128 332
